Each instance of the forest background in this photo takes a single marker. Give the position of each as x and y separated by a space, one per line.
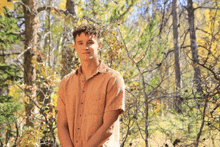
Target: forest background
166 50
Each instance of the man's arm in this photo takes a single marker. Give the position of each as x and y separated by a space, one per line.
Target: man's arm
105 131
63 131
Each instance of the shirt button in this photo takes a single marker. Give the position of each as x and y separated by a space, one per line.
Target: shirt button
83 90
80 115
76 141
78 128
81 103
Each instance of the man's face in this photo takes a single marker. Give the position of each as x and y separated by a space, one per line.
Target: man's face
87 46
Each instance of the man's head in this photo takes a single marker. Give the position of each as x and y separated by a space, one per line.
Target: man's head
87 29
87 42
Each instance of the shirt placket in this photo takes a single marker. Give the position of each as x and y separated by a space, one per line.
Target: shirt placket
79 140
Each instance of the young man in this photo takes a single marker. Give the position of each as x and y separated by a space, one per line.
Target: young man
90 98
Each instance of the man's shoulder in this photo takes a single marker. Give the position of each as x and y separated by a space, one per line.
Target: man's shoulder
113 73
68 76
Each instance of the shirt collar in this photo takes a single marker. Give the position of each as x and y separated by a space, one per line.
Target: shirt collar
102 68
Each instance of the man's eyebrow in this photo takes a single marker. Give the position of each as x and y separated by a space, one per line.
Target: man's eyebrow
79 41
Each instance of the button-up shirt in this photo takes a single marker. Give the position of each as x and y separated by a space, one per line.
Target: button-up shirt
86 100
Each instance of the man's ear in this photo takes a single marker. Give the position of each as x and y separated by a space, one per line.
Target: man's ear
100 45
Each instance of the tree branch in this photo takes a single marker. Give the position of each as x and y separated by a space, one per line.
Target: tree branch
203 31
207 8
8 54
44 8
213 110
214 74
90 19
202 124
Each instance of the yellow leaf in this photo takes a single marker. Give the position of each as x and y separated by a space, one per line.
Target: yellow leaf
67 21
5 3
10 6
32 129
135 83
1 12
62 5
194 5
43 73
80 14
55 99
79 22
70 46
147 4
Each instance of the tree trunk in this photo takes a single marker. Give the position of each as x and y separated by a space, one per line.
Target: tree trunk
67 53
49 39
146 111
168 64
70 6
194 47
31 29
177 101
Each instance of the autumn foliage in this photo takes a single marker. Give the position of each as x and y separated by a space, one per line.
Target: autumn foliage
137 38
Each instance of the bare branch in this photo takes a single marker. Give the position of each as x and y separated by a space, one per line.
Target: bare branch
44 8
214 74
213 110
93 20
8 54
21 3
203 31
213 8
202 124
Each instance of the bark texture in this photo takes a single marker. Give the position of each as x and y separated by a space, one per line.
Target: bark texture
194 46
31 29
177 101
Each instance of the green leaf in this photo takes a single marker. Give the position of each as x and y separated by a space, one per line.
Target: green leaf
5 76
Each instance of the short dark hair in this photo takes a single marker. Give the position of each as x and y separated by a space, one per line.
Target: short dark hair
88 29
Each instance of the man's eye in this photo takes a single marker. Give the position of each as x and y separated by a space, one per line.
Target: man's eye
90 42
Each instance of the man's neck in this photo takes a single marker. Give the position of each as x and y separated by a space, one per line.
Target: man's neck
88 67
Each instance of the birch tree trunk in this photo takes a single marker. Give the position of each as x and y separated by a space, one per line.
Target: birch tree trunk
194 46
31 30
177 101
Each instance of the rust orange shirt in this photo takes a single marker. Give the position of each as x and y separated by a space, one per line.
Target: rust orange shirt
86 100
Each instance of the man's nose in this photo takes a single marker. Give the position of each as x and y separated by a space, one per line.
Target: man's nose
86 46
